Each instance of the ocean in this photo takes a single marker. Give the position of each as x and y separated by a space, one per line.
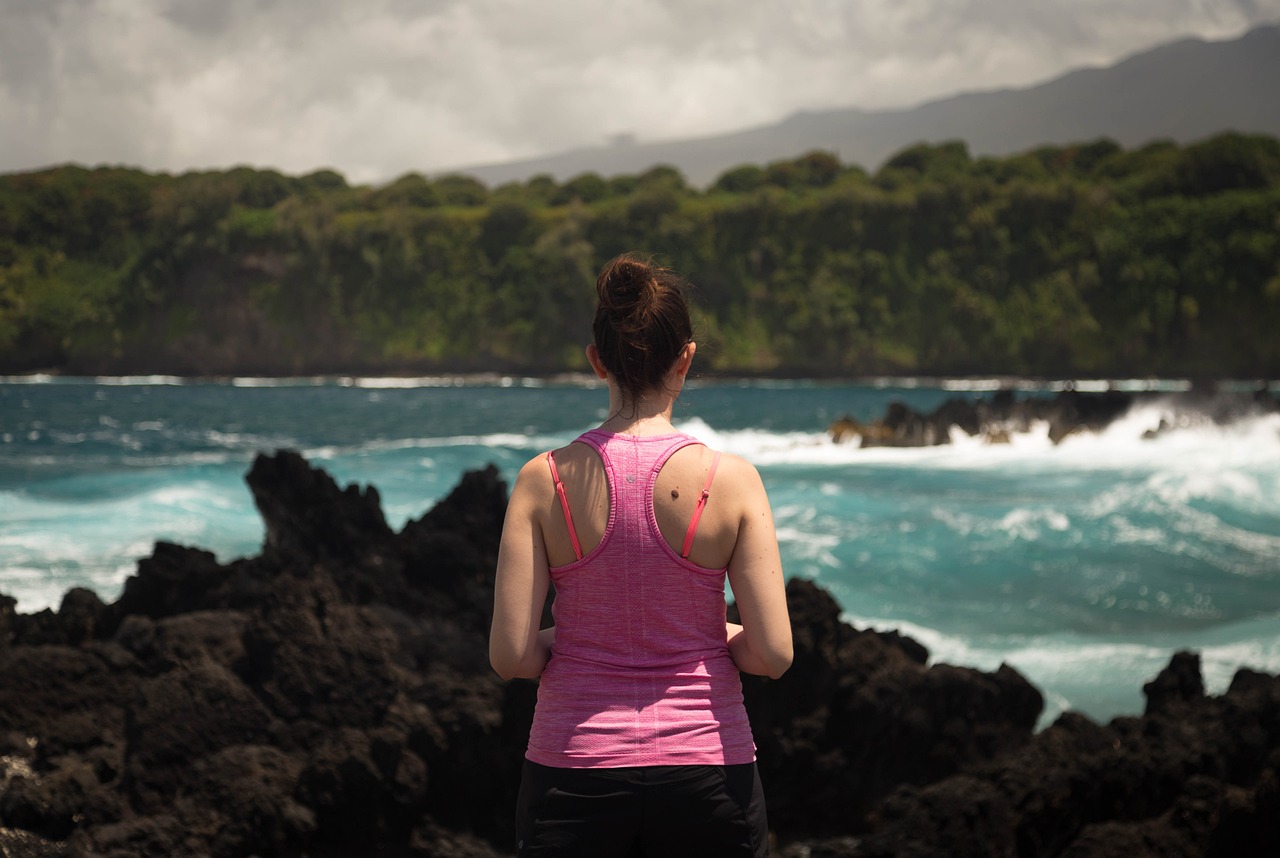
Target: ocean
1084 565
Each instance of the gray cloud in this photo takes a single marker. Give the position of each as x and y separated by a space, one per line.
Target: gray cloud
386 86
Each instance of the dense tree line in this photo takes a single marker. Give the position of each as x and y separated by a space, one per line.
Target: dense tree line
1065 261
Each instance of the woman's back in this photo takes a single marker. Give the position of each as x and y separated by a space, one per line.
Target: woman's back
632 599
641 672
676 492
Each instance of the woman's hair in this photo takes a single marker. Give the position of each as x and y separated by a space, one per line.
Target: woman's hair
642 322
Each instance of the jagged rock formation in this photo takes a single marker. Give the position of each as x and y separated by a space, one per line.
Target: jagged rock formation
1194 776
332 697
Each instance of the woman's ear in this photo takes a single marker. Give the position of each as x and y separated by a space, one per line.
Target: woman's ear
593 358
685 360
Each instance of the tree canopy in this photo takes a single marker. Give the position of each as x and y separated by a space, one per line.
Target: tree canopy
1086 259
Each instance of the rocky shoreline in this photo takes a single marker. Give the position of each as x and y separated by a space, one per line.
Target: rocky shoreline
998 417
331 697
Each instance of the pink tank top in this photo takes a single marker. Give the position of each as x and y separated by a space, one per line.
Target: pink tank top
640 674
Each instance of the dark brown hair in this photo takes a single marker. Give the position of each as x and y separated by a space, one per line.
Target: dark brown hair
642 322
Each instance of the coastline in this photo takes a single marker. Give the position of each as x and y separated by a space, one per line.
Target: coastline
94 475
332 690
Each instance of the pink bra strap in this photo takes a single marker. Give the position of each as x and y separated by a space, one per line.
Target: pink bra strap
697 512
564 505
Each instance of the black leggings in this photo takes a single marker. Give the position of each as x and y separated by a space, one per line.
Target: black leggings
668 811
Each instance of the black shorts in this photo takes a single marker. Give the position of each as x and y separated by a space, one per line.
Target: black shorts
668 811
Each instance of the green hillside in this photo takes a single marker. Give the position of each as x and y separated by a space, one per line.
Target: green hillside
1065 261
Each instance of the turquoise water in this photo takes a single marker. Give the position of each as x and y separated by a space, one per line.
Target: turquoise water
1084 565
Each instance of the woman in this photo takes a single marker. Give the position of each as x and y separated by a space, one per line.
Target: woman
640 742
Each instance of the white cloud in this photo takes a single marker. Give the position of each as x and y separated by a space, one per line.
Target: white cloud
382 87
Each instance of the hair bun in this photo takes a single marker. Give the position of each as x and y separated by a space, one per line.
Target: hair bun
642 321
627 289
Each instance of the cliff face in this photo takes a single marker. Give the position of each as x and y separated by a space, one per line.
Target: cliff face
331 696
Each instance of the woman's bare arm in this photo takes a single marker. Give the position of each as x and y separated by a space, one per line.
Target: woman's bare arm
762 644
516 646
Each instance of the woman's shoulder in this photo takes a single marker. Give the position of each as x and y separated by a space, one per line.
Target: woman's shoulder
537 473
737 473
534 476
726 462
536 464
733 475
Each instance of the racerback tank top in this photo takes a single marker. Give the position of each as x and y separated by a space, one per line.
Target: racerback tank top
640 673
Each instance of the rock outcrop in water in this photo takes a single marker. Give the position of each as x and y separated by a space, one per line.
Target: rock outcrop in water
998 417
331 697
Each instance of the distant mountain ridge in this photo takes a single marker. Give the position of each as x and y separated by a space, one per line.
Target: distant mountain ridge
1182 91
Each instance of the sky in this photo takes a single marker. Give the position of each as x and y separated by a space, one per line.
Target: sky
379 88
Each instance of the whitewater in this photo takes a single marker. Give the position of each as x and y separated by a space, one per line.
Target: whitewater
1084 565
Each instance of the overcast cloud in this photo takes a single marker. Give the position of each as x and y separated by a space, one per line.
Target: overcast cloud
377 88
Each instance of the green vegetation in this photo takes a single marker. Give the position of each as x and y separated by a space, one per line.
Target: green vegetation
1064 261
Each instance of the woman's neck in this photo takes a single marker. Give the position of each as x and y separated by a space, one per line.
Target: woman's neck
645 415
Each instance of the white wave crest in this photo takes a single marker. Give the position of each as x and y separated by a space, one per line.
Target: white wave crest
1203 460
